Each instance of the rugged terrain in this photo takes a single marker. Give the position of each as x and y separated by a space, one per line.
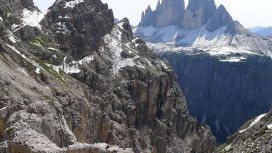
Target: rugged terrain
223 69
253 136
78 82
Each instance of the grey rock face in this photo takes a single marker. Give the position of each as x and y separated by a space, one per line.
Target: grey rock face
127 34
219 19
17 6
198 13
253 136
148 17
172 12
229 94
169 12
79 34
118 94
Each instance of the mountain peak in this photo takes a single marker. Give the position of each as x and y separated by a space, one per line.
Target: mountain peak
172 12
220 18
79 18
198 13
167 12
201 26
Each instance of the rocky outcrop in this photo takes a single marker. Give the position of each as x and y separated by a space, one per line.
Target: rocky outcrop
167 13
17 6
219 19
148 17
77 82
79 34
198 13
253 136
170 12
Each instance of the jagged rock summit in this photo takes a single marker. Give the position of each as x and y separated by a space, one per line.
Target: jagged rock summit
74 81
167 13
201 26
173 12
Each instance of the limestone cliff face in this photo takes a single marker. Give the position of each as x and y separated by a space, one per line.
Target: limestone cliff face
198 13
229 94
172 12
167 13
148 17
77 82
219 19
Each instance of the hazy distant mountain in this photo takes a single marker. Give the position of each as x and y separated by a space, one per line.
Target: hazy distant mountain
255 29
116 20
261 30
265 31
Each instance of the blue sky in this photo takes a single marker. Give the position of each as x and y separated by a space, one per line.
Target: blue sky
250 13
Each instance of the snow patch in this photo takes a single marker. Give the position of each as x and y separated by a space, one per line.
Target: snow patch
253 122
17 51
23 71
86 60
117 33
233 59
73 67
163 65
227 148
15 27
70 68
115 50
120 25
38 67
73 3
3 108
1 19
32 18
269 126
51 48
176 39
12 38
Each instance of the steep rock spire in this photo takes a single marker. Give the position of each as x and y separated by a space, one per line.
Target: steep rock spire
198 13
148 17
168 12
219 19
